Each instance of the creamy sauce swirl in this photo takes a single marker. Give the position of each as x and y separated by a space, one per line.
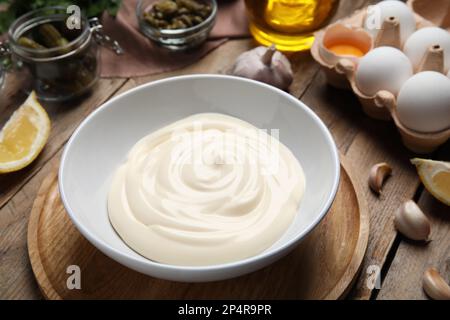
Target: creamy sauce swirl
205 190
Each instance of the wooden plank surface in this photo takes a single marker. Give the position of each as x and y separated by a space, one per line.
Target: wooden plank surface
363 140
404 278
366 142
64 117
54 243
18 190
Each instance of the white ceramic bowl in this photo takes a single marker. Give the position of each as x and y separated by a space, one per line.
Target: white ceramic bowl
104 138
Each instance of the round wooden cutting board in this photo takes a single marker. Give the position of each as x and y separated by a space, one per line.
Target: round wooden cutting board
323 266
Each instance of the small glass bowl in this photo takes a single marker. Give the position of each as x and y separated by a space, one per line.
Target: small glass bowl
176 39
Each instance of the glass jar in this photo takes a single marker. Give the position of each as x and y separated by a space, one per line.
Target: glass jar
289 24
176 39
55 61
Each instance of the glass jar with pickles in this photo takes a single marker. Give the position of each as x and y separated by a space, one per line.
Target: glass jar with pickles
56 59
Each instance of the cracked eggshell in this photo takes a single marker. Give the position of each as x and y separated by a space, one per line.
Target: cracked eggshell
377 14
423 103
384 68
339 33
420 41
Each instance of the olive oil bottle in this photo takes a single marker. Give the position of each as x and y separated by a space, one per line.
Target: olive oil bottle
289 24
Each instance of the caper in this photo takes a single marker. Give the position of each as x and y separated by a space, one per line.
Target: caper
166 7
191 5
187 20
150 13
178 24
152 21
197 19
162 24
183 11
205 12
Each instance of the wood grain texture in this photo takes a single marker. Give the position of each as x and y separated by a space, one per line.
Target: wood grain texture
375 145
65 117
322 267
16 277
18 190
366 142
363 140
404 278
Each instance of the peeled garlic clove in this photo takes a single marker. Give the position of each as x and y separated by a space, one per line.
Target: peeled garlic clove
378 175
435 286
412 222
266 65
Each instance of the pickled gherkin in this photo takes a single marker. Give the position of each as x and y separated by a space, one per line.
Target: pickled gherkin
177 14
29 43
51 37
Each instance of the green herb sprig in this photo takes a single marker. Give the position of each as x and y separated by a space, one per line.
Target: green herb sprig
11 9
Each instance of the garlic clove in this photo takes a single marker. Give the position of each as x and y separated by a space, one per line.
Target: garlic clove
268 55
266 65
410 221
378 175
435 286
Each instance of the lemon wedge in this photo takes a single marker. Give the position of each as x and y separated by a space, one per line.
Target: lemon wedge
435 176
24 135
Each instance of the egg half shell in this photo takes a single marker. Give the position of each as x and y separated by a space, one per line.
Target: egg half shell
423 103
420 41
383 10
384 68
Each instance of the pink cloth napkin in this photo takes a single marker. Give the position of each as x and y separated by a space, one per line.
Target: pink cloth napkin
142 57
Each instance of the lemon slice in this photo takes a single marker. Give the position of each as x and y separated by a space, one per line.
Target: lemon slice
24 135
435 176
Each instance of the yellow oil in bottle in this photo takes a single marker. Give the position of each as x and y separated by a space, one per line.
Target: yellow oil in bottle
289 24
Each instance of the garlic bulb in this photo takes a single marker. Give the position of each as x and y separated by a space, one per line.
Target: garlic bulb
412 222
266 65
435 286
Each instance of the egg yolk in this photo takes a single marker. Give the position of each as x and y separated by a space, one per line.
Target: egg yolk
346 50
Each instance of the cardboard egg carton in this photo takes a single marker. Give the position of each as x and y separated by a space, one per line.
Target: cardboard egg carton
340 71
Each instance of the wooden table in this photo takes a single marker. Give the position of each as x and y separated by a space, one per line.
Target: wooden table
364 141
